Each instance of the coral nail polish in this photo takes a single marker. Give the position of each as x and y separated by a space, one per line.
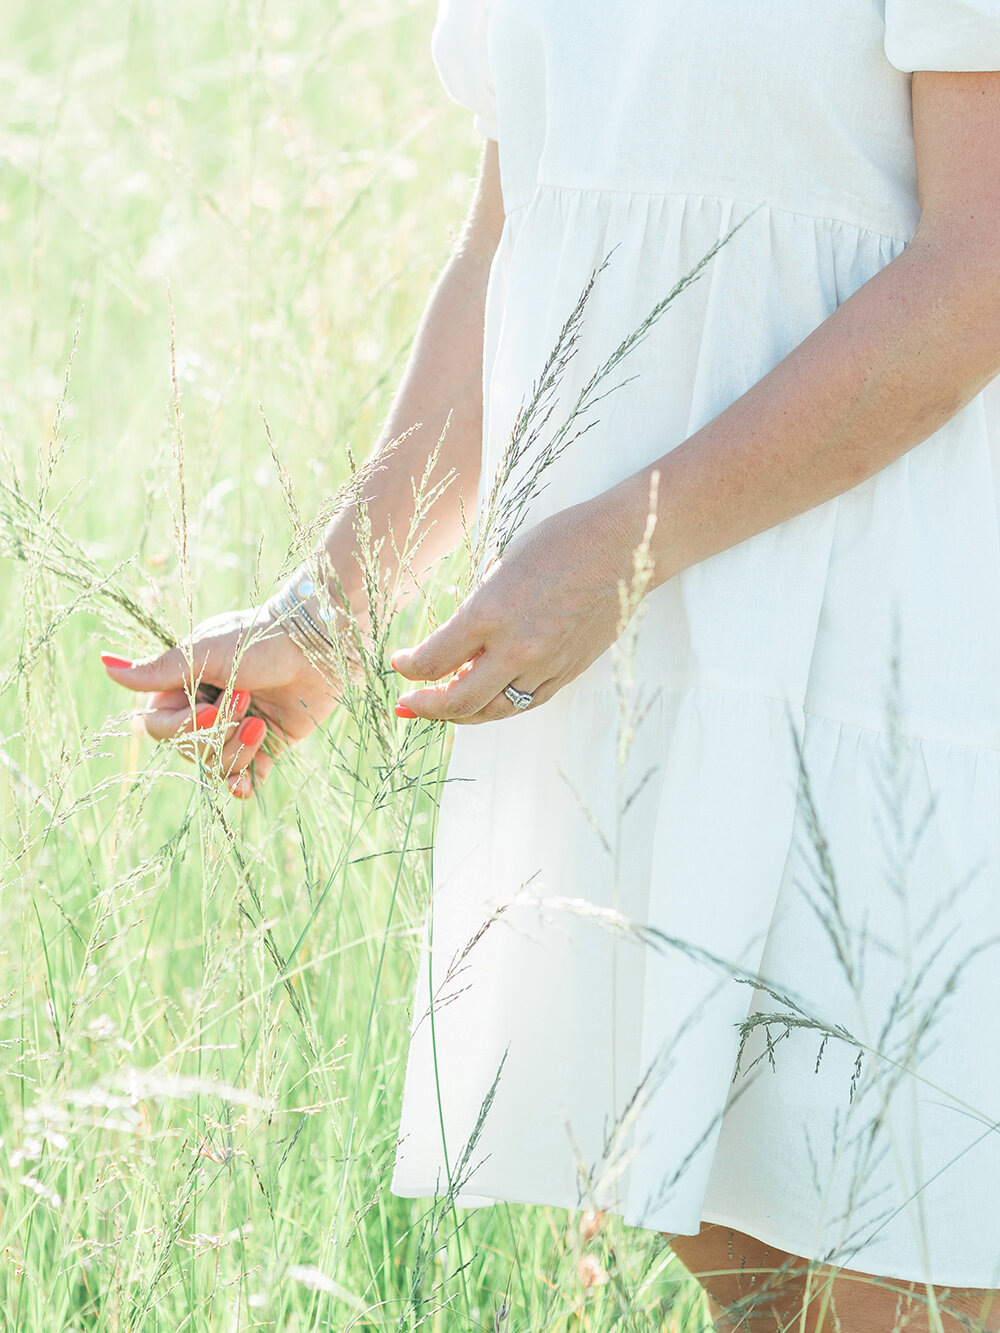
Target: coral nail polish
401 710
241 700
110 660
206 716
253 731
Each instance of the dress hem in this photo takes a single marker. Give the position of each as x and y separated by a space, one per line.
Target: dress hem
764 1235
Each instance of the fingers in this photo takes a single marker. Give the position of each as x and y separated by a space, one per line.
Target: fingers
170 714
239 759
445 650
232 745
247 783
475 693
469 689
240 752
172 670
476 675
165 720
501 707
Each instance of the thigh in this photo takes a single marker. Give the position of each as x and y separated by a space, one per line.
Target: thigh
756 1287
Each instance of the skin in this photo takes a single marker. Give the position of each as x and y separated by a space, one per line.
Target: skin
756 1288
888 368
442 386
892 365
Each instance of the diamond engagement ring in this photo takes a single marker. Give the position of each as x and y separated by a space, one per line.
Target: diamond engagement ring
518 698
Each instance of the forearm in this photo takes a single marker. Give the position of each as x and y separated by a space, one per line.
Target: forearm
886 370
437 410
440 396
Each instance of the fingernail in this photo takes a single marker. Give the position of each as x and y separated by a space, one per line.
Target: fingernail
253 731
236 786
241 700
110 660
401 710
206 716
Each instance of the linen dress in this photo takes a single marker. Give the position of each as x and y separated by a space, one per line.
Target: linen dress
714 933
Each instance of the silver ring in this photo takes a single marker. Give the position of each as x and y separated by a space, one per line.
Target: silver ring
518 698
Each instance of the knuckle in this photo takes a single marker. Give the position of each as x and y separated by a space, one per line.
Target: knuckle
493 621
463 709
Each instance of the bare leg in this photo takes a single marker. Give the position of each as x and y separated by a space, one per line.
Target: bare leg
755 1288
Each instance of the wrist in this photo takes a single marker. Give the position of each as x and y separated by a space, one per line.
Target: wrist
628 514
325 595
314 612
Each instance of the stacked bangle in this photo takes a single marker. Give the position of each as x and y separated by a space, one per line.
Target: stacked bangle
321 647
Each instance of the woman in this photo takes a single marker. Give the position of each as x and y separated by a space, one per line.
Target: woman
784 769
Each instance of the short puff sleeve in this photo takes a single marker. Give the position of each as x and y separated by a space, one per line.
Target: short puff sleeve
459 48
943 34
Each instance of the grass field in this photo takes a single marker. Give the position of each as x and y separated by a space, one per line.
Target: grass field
204 1004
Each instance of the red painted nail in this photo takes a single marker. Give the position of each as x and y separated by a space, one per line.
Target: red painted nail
241 700
253 731
110 660
206 716
402 711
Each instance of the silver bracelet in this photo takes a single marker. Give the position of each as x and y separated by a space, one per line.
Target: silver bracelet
323 649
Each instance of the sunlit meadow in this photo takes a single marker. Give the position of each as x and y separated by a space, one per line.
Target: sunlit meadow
204 1004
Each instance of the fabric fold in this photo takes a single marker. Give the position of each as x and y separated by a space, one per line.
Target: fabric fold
460 52
714 932
951 35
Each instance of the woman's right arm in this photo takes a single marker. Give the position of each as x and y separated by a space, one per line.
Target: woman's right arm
442 385
443 378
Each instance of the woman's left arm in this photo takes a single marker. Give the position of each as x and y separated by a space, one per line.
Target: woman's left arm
888 368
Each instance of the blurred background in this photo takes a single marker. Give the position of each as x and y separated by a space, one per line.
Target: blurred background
205 1004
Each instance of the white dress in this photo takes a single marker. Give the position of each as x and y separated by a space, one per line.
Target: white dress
790 770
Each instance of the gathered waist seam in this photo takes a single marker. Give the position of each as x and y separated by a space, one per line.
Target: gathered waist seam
897 238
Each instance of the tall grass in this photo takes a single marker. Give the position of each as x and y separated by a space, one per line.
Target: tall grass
214 215
221 223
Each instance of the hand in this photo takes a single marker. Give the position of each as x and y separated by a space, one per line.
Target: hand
288 694
541 614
